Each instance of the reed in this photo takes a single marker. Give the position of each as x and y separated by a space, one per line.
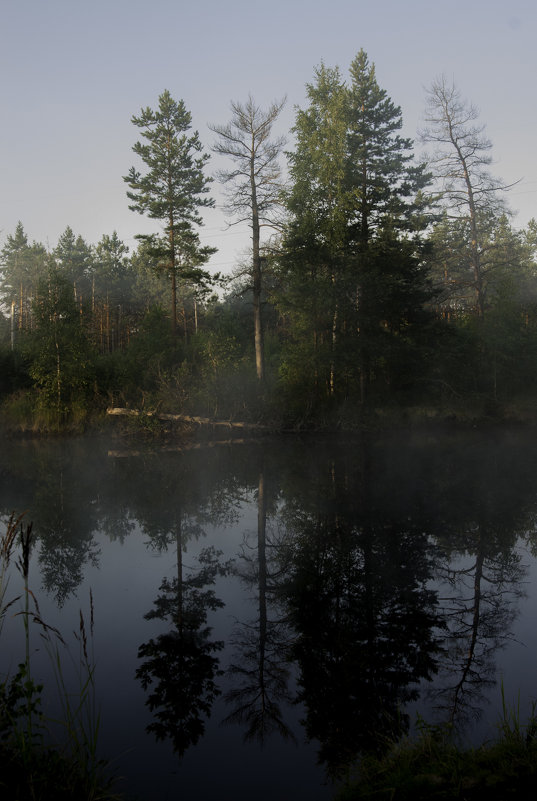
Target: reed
7 545
36 765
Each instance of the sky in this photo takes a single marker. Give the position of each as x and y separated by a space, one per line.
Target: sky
75 72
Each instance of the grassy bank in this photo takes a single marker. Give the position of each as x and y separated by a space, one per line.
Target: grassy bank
434 767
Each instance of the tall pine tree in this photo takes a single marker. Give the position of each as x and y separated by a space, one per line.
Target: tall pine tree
173 189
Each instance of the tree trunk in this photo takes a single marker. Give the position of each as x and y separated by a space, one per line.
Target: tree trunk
257 278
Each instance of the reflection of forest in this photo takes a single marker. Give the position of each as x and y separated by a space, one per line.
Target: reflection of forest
364 620
375 568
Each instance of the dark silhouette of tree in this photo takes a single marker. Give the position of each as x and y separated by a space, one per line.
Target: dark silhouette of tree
478 611
363 616
260 670
180 667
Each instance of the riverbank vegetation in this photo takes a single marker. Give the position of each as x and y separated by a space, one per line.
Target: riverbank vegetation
44 757
388 289
432 766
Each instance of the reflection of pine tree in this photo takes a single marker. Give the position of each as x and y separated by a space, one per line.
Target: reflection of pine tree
260 671
180 665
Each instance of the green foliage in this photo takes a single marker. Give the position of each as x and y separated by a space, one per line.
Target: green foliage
353 281
73 258
223 382
434 767
152 356
13 371
367 303
172 190
62 366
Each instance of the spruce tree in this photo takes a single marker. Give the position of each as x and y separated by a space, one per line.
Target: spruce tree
314 244
74 259
21 266
382 178
352 253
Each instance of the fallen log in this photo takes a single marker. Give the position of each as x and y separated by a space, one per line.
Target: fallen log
184 418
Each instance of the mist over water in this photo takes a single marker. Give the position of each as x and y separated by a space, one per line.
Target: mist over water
266 611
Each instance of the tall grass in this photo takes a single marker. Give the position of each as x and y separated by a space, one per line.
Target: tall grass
7 545
433 767
80 716
36 766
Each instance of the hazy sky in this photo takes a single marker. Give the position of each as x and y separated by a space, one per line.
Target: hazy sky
74 72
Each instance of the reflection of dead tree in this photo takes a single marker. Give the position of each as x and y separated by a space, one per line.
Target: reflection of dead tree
260 671
180 666
478 612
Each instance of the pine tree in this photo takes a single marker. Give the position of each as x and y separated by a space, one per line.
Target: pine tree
112 279
173 189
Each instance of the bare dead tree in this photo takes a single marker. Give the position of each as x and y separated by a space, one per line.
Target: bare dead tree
460 164
253 187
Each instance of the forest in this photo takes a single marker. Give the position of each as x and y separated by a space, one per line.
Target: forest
378 288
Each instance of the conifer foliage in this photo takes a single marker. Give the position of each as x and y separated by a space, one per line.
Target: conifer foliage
351 262
173 189
381 289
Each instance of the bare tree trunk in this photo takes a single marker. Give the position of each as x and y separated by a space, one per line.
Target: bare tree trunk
255 190
262 557
12 325
257 277
173 279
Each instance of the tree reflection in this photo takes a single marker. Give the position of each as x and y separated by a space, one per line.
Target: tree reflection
47 482
480 575
363 615
181 665
259 670
340 569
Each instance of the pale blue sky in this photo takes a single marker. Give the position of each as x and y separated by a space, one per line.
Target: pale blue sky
73 74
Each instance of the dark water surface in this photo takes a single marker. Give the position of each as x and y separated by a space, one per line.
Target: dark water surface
266 611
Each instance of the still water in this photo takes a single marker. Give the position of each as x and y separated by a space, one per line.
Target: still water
265 611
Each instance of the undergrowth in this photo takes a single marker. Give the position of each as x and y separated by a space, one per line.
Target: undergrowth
432 767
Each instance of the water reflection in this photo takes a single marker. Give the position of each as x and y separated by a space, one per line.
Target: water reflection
259 671
372 574
364 619
479 572
180 666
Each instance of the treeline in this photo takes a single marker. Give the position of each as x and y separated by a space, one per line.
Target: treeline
385 285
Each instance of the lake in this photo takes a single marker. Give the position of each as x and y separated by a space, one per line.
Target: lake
265 611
